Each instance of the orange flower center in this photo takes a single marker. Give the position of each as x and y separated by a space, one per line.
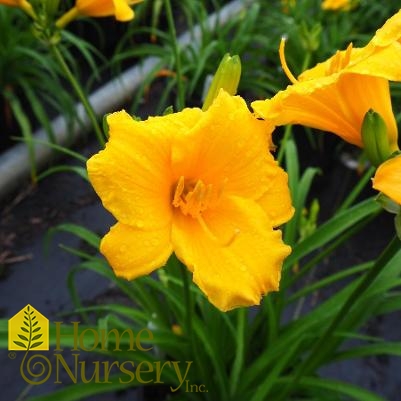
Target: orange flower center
194 197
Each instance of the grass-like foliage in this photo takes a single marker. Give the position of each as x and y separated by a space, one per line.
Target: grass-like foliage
274 351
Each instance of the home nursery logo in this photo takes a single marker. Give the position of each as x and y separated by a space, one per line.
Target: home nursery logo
28 331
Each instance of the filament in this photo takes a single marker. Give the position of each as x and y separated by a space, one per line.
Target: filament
283 62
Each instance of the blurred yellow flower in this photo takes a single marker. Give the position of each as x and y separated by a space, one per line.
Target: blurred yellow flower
335 95
388 179
286 5
103 8
202 184
336 5
99 8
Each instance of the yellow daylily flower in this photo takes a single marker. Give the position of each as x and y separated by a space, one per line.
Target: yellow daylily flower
104 8
336 5
99 8
335 95
202 184
388 179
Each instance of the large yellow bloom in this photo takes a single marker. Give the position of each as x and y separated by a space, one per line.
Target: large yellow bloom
344 5
388 179
202 184
104 8
335 95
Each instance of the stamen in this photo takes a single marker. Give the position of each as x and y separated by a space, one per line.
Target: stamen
339 61
347 56
283 62
178 191
213 236
194 198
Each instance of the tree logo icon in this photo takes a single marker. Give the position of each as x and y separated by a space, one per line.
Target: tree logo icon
28 330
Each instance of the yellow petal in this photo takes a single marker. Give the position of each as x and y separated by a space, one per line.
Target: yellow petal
123 11
388 179
132 176
276 201
336 103
104 8
228 144
383 62
133 253
336 5
95 8
389 32
237 259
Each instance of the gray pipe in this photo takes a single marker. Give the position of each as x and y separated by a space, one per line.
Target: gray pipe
14 164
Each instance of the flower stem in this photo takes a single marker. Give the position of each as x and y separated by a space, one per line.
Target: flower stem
82 97
177 57
328 341
286 137
240 350
187 301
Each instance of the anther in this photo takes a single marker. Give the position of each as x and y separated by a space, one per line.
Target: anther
178 192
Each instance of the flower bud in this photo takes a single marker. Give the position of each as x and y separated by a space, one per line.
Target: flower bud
227 77
375 139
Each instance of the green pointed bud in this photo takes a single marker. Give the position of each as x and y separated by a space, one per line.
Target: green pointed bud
374 138
227 77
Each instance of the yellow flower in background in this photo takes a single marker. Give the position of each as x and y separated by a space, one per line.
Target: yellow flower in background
99 8
335 95
202 184
336 5
23 4
388 179
103 8
286 5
